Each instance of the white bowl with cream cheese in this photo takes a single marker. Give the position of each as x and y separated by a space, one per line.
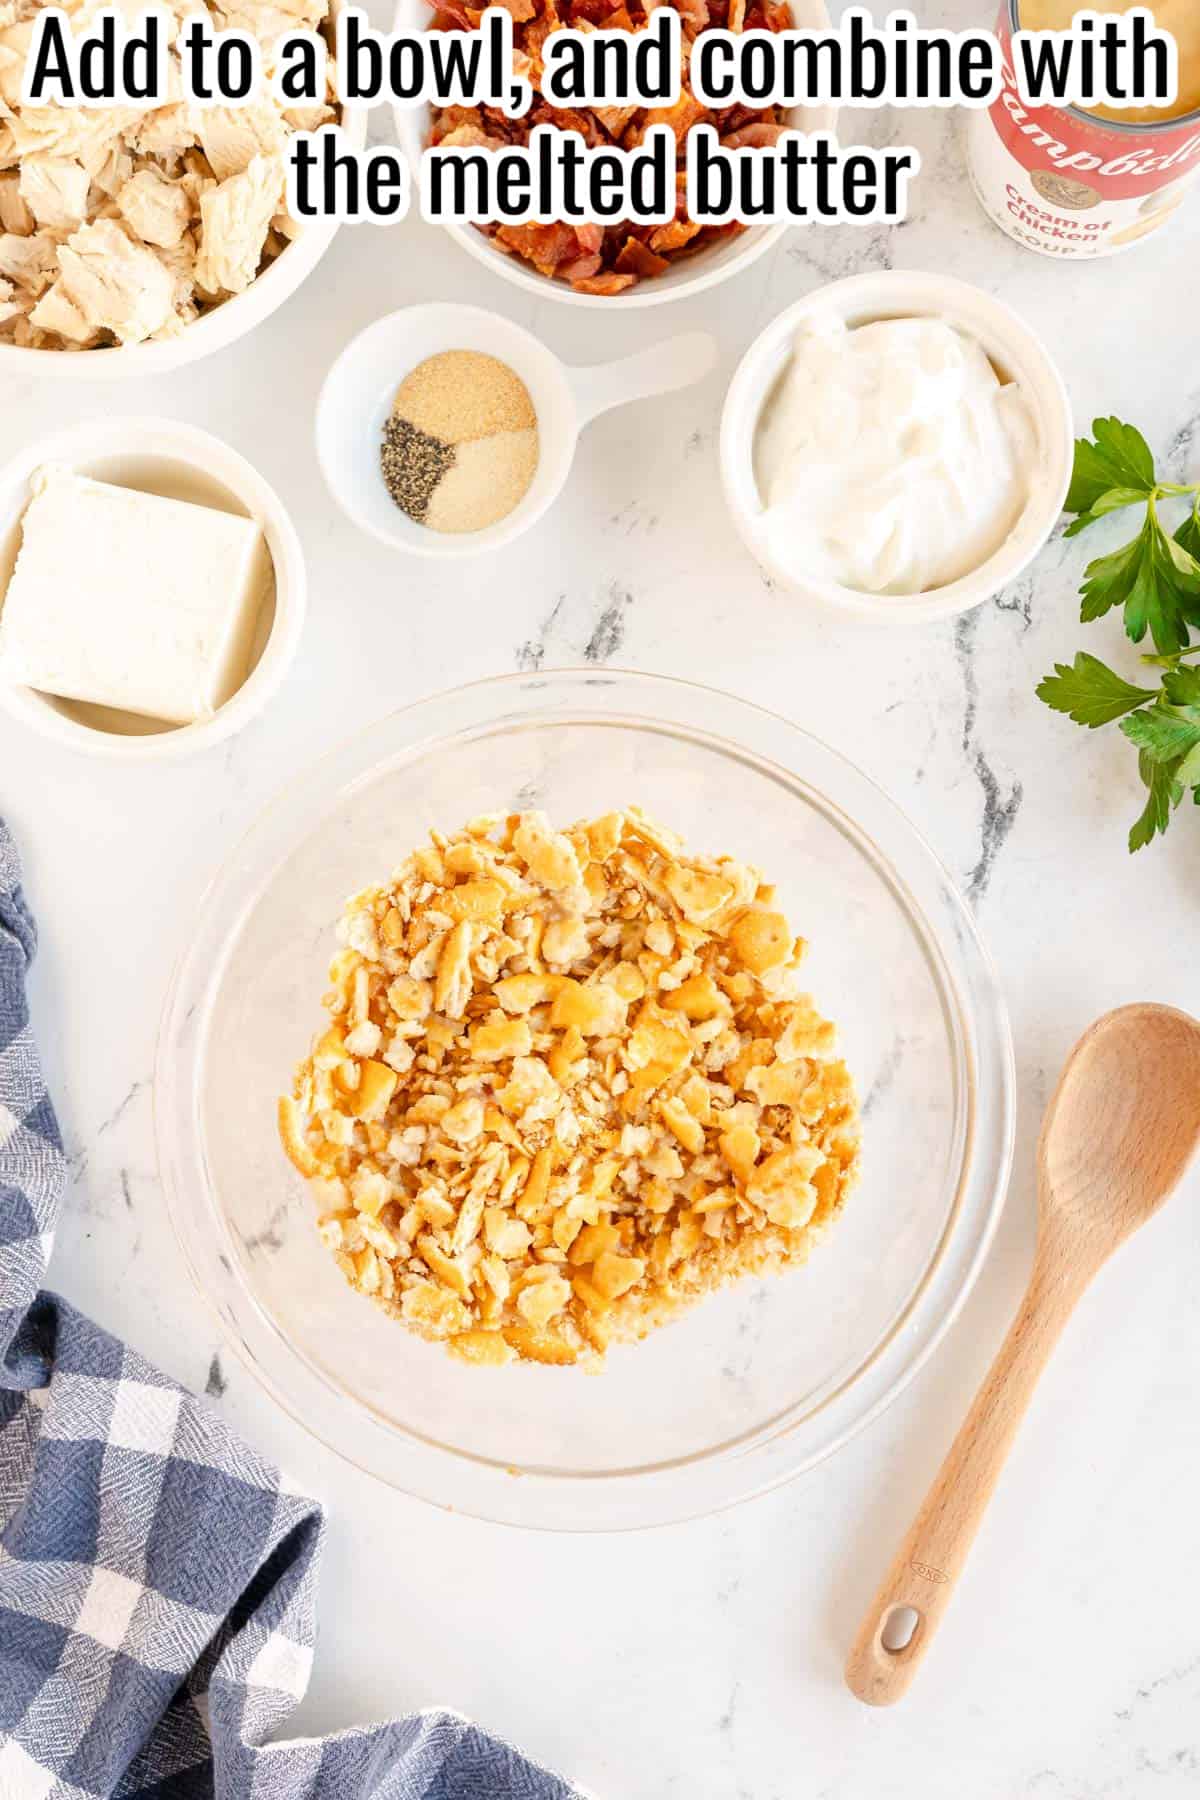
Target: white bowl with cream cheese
152 457
896 445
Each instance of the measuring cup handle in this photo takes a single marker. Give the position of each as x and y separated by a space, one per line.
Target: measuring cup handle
676 363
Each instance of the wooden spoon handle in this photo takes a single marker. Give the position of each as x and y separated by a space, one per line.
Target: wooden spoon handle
928 1563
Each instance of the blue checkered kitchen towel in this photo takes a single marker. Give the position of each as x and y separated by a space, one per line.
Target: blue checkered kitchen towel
157 1579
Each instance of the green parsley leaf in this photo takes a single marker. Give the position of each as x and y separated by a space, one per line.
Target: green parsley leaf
1091 693
1188 772
1112 501
1166 593
1155 578
1125 448
1165 736
1189 532
1181 685
1188 539
1118 458
1165 794
1185 566
1109 580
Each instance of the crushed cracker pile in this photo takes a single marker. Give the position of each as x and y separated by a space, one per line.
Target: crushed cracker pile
121 224
570 1085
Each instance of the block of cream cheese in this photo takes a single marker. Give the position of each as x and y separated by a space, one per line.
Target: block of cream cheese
129 600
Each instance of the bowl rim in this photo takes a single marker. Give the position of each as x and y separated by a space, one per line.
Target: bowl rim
896 293
212 331
451 1478
153 437
748 247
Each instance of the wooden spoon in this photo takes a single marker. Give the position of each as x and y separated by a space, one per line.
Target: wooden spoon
1118 1135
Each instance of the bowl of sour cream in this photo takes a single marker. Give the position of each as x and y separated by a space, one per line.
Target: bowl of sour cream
897 445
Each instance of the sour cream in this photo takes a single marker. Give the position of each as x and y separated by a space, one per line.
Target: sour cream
891 458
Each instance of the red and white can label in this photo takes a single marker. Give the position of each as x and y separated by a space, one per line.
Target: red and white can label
1069 184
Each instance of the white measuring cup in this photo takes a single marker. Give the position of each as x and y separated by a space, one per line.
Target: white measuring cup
357 394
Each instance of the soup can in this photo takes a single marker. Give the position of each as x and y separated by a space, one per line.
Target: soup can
1070 184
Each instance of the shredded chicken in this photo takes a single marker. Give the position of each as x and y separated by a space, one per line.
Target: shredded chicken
120 223
9 308
235 217
30 261
55 189
15 216
232 136
55 313
116 284
111 175
156 209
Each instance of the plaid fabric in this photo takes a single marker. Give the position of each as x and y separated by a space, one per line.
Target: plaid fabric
156 1578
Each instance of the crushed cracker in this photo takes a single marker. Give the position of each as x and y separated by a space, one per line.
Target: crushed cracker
570 1085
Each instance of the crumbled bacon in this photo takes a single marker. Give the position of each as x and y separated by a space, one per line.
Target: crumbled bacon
582 269
592 259
612 283
545 246
693 14
636 258
675 236
753 137
470 137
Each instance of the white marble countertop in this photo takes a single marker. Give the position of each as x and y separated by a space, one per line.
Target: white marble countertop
704 1661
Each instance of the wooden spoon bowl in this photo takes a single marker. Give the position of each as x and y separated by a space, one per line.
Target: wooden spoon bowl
1123 1124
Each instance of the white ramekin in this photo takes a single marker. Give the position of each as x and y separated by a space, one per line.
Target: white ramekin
183 463
1015 350
212 330
688 276
357 394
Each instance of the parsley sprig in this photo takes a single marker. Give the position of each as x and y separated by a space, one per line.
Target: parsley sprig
1155 579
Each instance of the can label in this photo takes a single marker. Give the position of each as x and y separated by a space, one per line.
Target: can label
1071 185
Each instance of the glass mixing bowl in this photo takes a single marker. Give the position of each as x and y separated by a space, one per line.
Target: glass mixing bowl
751 1386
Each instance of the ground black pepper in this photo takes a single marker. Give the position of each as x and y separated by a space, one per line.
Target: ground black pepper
461 447
413 462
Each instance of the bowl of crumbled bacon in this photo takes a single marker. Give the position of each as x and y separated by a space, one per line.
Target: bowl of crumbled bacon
590 265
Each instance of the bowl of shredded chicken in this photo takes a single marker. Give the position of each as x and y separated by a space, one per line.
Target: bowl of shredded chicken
157 233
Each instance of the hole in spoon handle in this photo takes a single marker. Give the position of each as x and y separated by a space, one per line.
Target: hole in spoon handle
900 1626
895 1633
675 363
